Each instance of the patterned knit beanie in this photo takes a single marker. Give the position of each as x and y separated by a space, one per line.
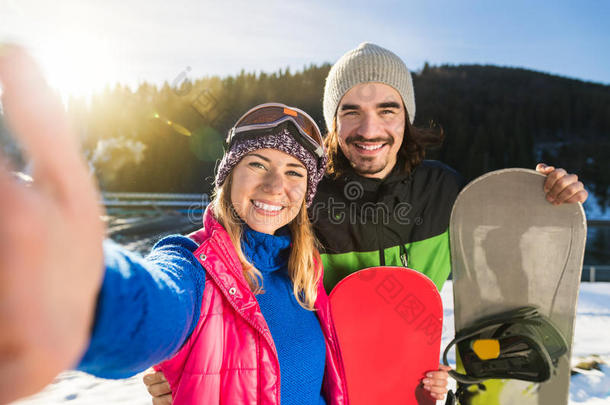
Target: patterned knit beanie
283 141
367 63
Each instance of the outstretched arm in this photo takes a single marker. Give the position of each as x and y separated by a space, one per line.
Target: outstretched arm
48 289
146 309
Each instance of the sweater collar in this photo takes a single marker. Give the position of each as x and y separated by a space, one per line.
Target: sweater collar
267 252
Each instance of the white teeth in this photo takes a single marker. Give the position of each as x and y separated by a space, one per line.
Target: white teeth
369 147
266 207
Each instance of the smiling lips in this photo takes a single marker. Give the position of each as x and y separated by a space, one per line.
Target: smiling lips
266 208
368 148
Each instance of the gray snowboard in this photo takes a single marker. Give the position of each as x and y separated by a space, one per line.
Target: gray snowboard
511 248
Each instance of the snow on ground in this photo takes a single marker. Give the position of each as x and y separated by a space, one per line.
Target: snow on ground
592 387
592 337
76 388
592 333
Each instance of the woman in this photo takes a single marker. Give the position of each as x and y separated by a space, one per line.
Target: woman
253 266
238 306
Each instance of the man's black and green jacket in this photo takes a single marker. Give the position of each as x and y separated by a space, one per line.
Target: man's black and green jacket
401 220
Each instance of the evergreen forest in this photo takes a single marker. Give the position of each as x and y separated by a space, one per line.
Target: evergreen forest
168 138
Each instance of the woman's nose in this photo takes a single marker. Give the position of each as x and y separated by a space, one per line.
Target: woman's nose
273 182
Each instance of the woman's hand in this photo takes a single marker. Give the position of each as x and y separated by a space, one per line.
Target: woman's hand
50 237
436 382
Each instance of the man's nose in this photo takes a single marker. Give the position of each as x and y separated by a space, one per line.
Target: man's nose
369 125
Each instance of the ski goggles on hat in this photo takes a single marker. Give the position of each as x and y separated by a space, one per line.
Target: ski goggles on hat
267 118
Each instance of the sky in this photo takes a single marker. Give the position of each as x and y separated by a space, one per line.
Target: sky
85 46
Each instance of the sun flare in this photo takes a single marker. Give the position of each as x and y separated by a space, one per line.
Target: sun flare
78 66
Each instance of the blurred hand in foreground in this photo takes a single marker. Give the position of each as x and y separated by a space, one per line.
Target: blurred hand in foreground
51 236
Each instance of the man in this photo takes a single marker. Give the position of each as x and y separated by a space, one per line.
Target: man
381 204
396 206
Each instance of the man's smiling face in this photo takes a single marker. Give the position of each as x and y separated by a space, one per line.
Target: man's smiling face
371 125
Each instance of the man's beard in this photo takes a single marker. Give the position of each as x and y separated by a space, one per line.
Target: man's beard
364 165
368 168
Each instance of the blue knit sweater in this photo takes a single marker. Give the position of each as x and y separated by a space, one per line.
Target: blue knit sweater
148 308
296 331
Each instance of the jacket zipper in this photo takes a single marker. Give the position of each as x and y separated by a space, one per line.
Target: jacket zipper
339 359
404 258
255 326
380 239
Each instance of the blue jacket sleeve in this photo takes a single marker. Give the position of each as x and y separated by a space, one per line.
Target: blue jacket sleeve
147 308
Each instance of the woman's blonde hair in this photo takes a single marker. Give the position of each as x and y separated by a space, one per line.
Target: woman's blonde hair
301 266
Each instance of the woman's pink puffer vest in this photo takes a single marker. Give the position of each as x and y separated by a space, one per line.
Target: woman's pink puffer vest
230 358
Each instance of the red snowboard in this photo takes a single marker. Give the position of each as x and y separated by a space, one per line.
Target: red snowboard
389 322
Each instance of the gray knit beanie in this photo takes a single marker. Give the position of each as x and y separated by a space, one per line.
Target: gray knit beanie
367 63
283 141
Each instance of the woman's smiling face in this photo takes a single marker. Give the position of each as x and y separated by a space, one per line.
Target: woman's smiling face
268 189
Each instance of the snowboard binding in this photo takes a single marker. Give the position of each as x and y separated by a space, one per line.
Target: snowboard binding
519 344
